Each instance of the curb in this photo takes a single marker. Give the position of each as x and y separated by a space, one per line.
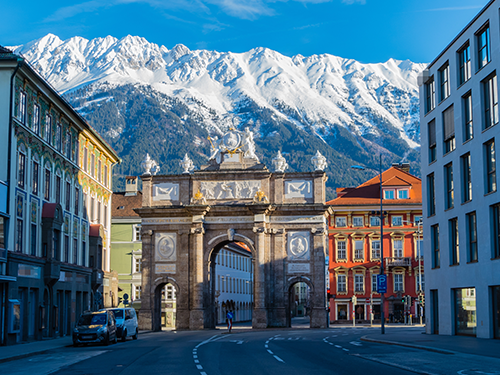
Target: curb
26 355
420 347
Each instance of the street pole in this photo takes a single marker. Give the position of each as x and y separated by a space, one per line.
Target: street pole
419 267
382 295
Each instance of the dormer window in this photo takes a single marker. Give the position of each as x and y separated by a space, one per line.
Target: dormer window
403 194
388 194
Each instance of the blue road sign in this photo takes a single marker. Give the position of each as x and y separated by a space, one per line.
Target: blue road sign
381 284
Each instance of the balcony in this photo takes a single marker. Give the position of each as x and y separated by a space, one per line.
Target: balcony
398 262
3 255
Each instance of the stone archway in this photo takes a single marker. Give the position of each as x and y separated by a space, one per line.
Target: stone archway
291 282
281 217
156 292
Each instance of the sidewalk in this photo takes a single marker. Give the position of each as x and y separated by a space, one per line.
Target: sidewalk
18 351
436 343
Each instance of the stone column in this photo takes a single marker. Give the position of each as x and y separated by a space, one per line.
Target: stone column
259 316
196 319
147 296
319 317
278 302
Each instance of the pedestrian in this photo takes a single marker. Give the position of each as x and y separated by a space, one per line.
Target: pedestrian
229 320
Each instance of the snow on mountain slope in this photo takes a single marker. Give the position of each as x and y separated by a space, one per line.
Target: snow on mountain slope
320 91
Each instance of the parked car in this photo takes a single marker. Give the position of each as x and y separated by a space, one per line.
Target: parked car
126 322
95 327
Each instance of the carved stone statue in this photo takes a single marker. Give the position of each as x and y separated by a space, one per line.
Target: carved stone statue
249 145
319 161
280 163
187 164
231 142
149 164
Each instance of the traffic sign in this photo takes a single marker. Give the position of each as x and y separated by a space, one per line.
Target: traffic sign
367 300
381 283
125 296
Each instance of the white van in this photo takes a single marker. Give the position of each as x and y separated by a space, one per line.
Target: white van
126 322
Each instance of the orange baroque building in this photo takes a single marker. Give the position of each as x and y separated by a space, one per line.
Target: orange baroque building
354 245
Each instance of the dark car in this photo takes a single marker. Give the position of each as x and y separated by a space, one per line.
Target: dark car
95 327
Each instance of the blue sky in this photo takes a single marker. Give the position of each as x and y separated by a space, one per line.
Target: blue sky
365 30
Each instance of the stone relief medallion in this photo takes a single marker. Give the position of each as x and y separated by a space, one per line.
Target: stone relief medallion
298 189
232 140
165 247
166 192
298 245
229 189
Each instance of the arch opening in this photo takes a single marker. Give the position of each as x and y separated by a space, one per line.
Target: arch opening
300 291
165 306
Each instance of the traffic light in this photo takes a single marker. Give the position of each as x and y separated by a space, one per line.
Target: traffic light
403 299
119 300
408 300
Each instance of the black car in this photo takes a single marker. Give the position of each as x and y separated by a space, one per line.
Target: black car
95 327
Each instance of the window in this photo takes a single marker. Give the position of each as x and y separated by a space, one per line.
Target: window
85 159
388 194
471 237
431 195
358 249
464 70
435 246
341 250
357 221
403 194
137 265
21 170
67 145
444 82
19 235
75 251
68 195
92 165
84 253
22 107
35 178
449 129
99 171
483 46
430 95
490 101
397 221
398 282
491 174
398 248
106 175
84 205
417 219
137 232
137 292
454 242
374 221
341 283
66 249
99 212
33 239
466 178
465 311
59 137
375 249
77 200
92 209
359 283
432 140
48 129
420 282
448 183
495 213
36 119
58 189
46 194
374 283
340 222
467 106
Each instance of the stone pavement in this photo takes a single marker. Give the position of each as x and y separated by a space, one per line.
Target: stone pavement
436 343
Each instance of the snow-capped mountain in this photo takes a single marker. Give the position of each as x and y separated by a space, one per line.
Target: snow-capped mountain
333 100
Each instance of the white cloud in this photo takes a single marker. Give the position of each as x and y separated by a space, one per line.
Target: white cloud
354 1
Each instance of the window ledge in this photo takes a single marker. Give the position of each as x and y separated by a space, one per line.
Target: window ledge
489 127
470 200
491 192
454 265
472 262
449 152
432 162
468 140
484 66
463 84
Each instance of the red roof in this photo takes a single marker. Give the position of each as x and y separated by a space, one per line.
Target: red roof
368 193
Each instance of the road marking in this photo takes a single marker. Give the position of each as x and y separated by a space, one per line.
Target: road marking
266 346
356 343
338 346
334 335
195 356
279 359
238 342
345 349
203 373
196 361
199 367
270 352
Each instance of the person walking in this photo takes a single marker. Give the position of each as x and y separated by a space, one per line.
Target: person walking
229 319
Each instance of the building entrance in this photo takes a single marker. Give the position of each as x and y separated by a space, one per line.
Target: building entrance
278 218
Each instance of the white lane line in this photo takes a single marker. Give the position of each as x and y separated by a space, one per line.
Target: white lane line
270 352
356 343
203 373
195 356
334 335
345 349
199 367
266 346
279 359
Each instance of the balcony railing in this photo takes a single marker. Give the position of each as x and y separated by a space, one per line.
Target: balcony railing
398 262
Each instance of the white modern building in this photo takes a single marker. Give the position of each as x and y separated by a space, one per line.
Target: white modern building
234 288
460 135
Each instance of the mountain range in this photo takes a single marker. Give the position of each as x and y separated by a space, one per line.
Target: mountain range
147 98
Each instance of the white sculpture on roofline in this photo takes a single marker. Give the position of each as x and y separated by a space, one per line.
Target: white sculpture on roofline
187 164
232 142
150 166
319 161
280 163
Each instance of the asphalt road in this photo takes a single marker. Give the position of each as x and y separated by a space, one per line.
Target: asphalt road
213 352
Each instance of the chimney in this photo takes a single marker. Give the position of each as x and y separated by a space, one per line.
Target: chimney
131 185
403 166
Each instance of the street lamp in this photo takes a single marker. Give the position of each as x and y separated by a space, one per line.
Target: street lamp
382 295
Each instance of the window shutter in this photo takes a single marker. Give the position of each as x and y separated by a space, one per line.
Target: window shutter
448 123
432 133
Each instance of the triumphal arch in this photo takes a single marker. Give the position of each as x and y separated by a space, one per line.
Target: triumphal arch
186 219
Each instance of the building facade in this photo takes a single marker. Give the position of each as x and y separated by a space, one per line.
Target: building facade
55 194
355 248
459 124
